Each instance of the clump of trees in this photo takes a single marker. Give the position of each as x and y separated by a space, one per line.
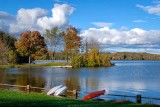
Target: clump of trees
32 46
7 49
92 57
72 43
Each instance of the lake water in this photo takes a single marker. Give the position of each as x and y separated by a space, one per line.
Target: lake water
125 78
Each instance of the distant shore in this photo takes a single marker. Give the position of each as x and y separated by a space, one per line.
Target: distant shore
133 56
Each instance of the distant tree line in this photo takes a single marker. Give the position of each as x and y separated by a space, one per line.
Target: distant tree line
133 56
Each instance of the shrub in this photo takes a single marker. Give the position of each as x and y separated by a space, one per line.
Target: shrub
93 59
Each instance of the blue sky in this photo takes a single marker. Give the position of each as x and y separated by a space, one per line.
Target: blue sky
133 23
119 12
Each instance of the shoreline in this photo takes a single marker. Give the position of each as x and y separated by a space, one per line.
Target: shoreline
55 64
61 66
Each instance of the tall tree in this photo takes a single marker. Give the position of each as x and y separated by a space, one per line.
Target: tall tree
31 44
72 41
53 37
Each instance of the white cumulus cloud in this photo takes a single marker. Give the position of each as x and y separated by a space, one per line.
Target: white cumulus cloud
59 16
26 19
36 19
134 38
106 35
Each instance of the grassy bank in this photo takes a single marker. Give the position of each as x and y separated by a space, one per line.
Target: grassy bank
16 99
35 65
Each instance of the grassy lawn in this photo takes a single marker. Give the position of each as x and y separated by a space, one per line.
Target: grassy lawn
36 65
17 99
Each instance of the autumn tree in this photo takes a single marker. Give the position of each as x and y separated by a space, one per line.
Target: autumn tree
53 37
72 42
32 45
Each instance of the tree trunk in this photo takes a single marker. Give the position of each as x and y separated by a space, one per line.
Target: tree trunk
67 56
51 52
53 56
29 60
54 52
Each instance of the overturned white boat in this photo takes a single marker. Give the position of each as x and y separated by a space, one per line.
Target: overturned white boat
54 89
60 91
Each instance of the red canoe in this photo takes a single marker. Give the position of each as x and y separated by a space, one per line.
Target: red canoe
94 94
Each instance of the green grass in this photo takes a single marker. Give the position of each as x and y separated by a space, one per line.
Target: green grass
36 65
17 99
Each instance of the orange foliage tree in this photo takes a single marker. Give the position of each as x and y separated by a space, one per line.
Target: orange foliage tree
72 42
31 44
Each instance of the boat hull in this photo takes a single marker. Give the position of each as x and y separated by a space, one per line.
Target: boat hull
94 94
54 89
60 91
